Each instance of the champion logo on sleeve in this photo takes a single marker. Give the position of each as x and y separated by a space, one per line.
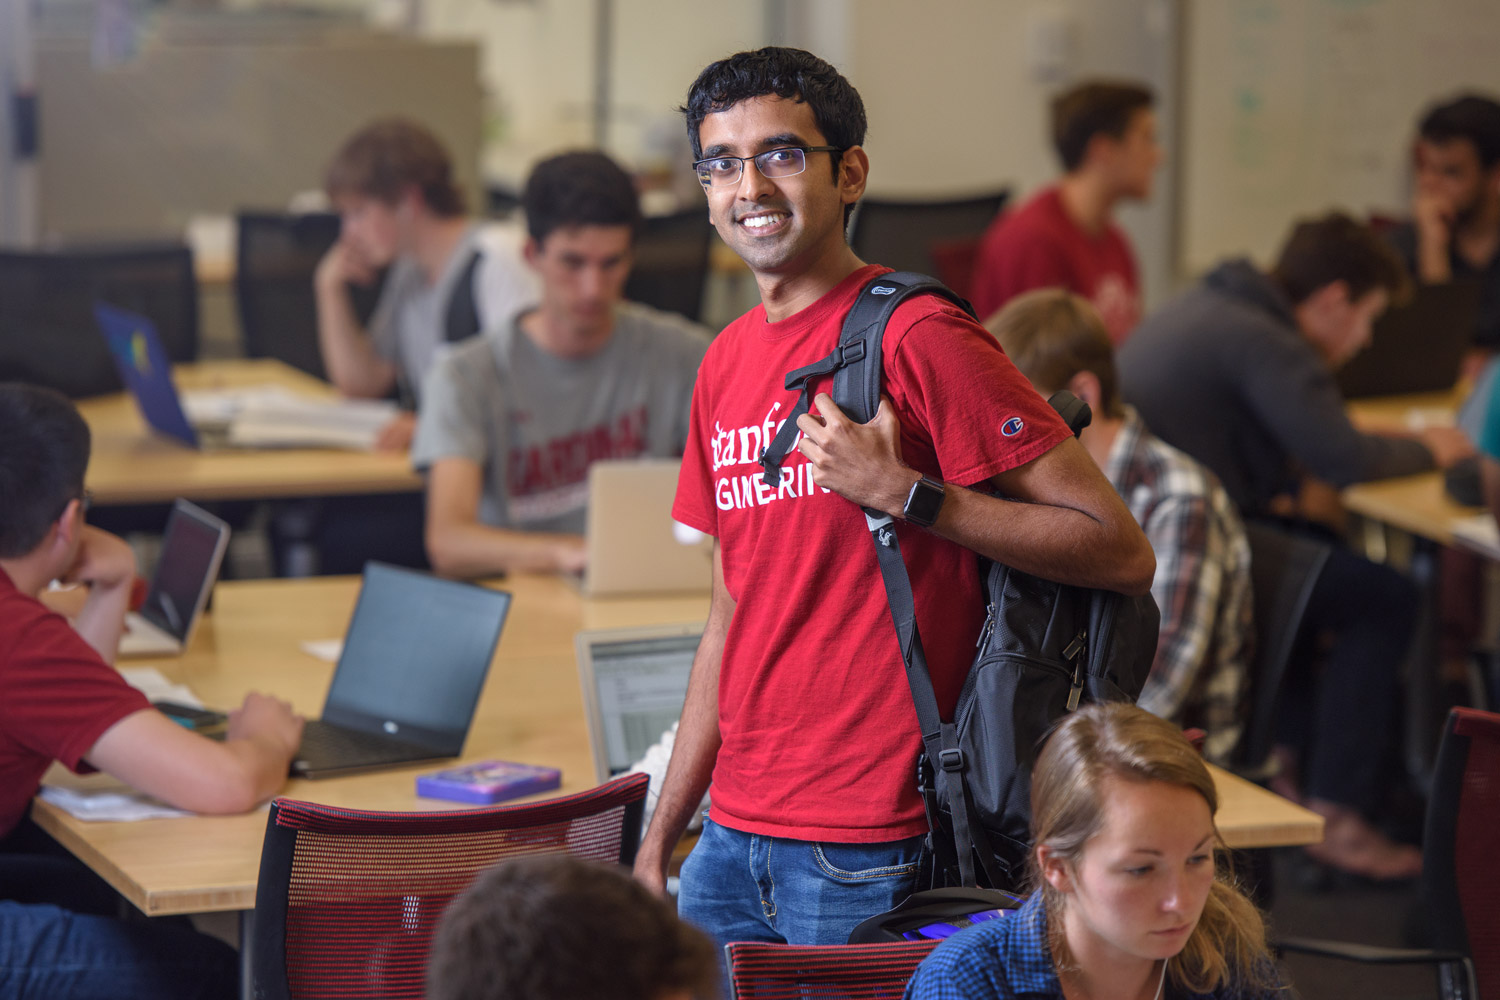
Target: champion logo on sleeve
1012 427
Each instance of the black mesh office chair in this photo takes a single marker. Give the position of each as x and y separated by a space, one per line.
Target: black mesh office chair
939 238
276 256
671 263
48 334
1283 569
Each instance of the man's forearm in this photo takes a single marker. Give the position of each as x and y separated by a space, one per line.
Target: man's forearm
467 550
1434 267
102 619
348 354
690 770
1057 543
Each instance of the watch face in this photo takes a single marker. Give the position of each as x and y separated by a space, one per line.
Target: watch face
925 501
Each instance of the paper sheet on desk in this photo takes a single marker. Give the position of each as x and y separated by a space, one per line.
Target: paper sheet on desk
1479 532
150 682
327 650
108 806
270 416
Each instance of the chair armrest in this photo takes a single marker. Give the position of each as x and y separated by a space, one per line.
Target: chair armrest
1370 954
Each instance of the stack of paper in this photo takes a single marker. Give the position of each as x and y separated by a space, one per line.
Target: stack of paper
270 416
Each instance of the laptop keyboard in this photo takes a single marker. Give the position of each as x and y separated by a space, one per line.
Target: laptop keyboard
323 744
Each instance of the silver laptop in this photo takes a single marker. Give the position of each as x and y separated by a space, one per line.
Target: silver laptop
192 548
413 664
633 545
634 681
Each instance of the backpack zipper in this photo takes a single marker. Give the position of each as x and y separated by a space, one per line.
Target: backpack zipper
989 626
1073 652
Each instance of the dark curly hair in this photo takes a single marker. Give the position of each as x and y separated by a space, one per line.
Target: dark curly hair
584 188
791 74
1473 117
554 927
44 451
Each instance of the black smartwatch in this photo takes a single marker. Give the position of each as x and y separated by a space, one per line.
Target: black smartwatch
923 502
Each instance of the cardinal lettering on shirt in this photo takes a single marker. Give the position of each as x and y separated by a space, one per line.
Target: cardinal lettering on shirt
549 478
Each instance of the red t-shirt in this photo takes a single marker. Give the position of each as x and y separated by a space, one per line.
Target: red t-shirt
57 697
820 738
1040 246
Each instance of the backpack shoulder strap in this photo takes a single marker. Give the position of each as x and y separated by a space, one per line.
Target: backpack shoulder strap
856 386
856 362
461 318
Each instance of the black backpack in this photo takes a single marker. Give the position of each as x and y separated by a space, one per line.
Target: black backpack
1044 649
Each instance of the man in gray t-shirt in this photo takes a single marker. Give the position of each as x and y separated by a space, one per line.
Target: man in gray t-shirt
510 421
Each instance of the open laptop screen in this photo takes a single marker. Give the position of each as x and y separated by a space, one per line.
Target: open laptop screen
191 550
639 685
416 656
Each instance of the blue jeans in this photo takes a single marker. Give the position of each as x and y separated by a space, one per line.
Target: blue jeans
46 951
743 887
81 949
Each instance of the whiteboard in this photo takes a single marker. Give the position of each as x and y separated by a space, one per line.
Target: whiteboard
1296 107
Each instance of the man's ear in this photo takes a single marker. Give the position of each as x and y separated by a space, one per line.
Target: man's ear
1054 869
64 531
1331 295
531 250
854 174
1085 385
1100 149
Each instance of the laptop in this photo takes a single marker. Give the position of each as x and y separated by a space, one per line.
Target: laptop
1417 347
632 543
192 547
146 370
634 683
413 664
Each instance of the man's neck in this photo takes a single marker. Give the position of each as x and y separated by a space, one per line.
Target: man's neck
561 339
785 294
1087 200
1099 437
434 242
27 573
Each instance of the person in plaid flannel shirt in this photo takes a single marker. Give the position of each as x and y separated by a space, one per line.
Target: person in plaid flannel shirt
1202 581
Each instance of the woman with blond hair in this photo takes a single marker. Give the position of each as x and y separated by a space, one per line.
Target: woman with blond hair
1129 903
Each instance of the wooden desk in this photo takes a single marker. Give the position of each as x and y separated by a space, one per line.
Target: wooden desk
1417 505
531 711
130 464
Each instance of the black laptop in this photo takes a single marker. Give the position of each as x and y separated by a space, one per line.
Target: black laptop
413 664
1417 347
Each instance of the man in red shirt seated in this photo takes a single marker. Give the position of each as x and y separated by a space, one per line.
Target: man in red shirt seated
1065 236
61 700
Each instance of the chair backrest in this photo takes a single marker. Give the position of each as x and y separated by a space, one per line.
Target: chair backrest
348 900
1460 866
48 334
759 971
276 255
930 237
671 263
1283 569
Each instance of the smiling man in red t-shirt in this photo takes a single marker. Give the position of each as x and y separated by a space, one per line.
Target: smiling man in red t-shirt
798 708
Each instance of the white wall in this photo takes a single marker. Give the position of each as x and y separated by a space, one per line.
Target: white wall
539 73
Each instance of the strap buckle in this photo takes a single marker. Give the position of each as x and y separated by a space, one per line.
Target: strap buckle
952 759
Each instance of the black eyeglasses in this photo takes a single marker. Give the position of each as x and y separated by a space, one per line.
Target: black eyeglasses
85 501
783 161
